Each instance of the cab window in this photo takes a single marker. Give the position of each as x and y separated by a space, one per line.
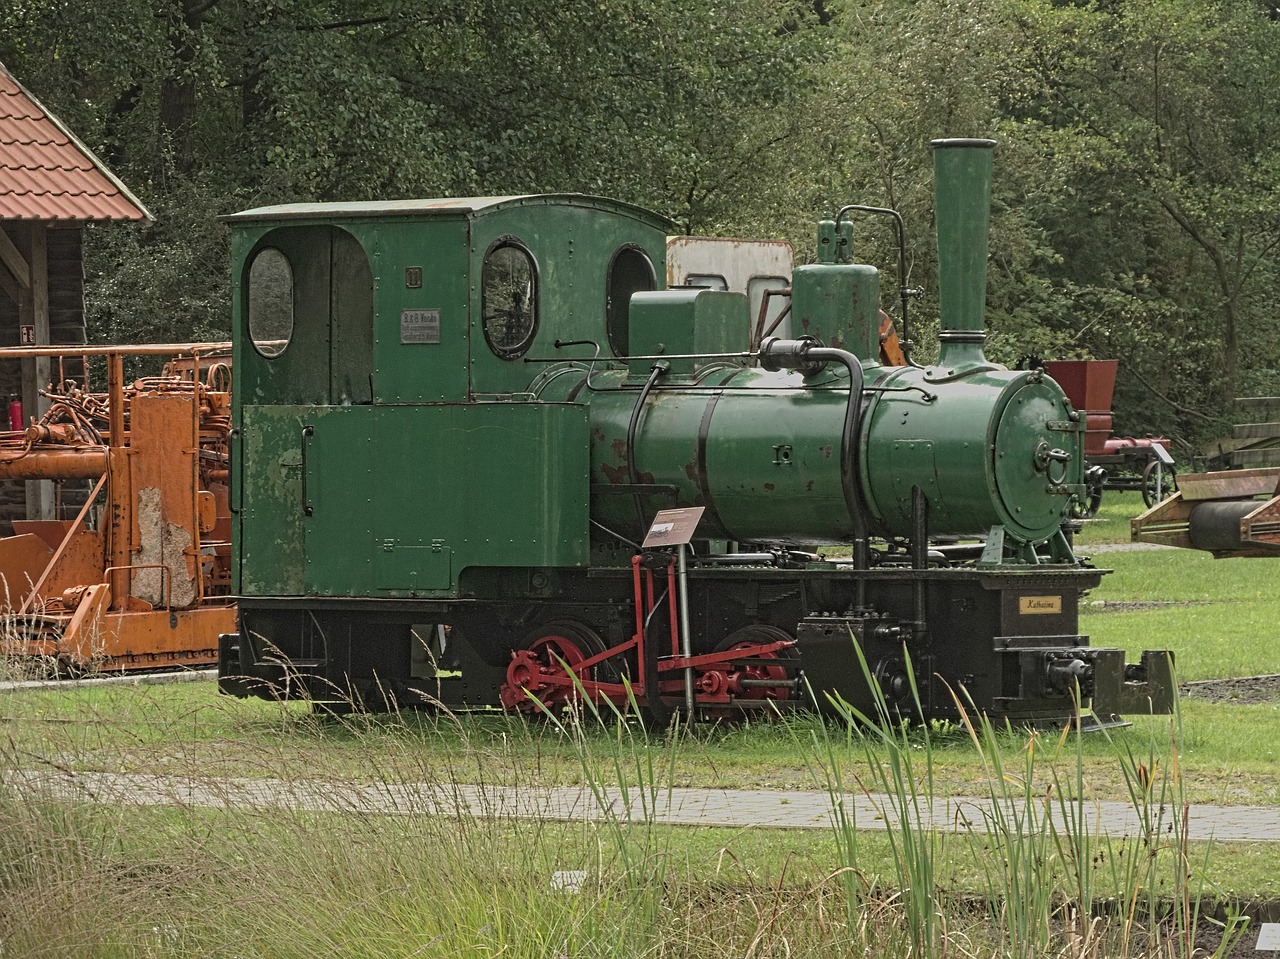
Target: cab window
630 271
270 302
509 299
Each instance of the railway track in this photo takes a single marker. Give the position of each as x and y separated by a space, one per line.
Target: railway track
1239 690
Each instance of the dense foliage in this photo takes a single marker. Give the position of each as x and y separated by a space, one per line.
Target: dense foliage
1138 180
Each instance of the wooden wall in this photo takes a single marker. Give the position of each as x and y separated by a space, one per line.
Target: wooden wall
66 326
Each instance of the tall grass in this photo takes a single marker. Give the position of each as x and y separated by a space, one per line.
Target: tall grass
644 772
908 787
1020 890
1044 847
85 876
339 875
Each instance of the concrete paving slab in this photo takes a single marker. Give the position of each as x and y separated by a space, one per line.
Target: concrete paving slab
728 808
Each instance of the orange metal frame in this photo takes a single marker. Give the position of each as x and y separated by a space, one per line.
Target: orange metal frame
145 586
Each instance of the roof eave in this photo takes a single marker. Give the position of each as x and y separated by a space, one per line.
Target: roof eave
92 157
465 207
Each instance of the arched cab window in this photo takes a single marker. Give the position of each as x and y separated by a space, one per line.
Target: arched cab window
270 302
509 298
630 271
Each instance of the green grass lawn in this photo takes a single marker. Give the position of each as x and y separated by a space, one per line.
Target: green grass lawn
1111 525
1218 616
1228 753
96 880
93 882
134 882
1221 617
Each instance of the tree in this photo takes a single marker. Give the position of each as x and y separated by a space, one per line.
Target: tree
1135 211
1159 118
206 106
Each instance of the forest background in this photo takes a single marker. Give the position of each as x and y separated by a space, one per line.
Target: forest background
1137 196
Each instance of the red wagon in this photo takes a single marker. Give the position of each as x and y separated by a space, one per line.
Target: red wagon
1115 462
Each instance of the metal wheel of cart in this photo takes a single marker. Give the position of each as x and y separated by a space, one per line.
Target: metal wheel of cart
1159 481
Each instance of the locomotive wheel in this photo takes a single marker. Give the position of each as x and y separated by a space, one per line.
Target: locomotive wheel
1088 507
1168 483
755 635
553 647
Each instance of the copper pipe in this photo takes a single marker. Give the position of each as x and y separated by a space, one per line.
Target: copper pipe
56 464
115 399
147 349
197 388
121 493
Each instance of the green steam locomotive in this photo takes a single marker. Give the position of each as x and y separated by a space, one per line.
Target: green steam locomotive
463 427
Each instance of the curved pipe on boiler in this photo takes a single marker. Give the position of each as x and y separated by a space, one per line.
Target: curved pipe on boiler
633 427
801 354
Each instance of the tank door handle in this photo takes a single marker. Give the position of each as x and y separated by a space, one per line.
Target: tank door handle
233 437
307 432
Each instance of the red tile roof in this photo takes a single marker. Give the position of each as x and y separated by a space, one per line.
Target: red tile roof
46 173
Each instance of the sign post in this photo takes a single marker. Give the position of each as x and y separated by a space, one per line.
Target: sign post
674 527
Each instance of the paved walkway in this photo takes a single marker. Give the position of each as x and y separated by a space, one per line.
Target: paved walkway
730 808
128 679
1121 548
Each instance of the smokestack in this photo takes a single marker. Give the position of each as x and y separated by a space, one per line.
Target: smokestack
962 180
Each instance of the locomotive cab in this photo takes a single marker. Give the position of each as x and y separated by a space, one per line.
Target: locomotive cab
394 336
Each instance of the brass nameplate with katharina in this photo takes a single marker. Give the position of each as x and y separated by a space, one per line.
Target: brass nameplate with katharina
1039 605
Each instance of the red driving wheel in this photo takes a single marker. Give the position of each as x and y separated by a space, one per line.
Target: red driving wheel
743 639
537 672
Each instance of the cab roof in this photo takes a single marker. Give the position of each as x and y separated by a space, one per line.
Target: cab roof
464 207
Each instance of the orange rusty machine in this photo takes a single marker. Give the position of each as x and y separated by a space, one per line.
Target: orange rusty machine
134 573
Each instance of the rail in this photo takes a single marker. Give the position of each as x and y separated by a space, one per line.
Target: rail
145 349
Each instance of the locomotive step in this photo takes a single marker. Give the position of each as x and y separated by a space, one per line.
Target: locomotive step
298 664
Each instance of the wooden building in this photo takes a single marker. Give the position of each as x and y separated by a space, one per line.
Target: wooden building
51 185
